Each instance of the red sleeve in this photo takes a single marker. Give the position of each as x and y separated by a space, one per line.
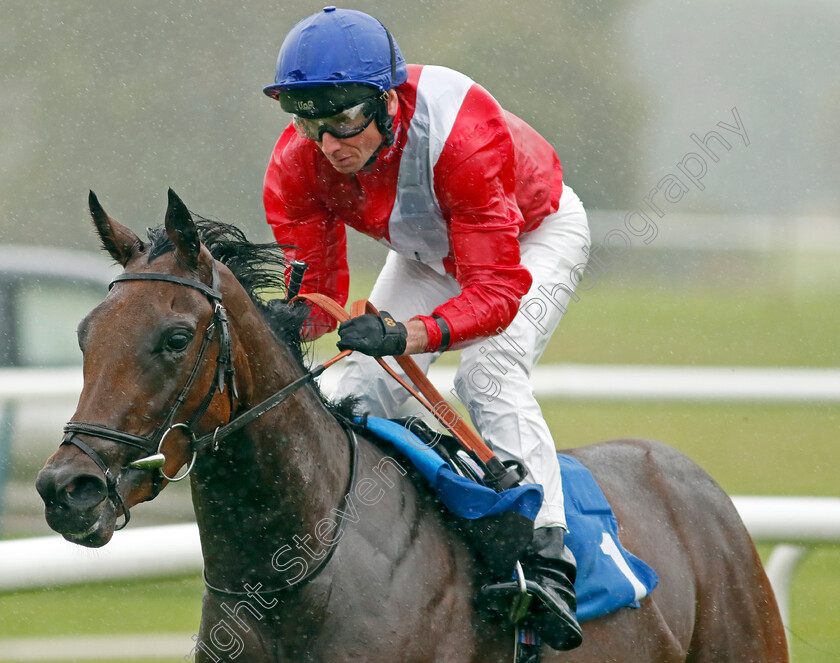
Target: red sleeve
475 183
300 220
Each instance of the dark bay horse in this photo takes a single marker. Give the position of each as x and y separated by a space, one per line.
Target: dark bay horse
317 547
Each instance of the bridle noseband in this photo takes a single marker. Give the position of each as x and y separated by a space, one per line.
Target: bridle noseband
152 444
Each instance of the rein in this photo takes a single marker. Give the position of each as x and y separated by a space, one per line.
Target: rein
497 475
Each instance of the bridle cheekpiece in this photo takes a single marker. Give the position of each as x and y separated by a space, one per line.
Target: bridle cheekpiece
152 444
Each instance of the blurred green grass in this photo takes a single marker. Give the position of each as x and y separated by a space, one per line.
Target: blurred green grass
173 606
700 326
170 605
815 609
749 448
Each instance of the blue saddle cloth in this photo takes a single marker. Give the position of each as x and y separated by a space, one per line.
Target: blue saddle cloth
608 577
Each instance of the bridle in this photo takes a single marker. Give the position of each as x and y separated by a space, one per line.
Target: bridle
152 444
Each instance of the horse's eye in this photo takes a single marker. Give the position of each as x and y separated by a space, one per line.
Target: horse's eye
178 341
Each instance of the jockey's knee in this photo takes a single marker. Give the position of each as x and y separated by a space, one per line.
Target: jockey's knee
486 373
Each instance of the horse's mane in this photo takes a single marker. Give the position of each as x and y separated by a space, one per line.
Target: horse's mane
260 269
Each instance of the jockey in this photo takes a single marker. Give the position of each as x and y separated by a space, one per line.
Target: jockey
486 244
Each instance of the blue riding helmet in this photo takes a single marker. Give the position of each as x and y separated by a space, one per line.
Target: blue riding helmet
333 60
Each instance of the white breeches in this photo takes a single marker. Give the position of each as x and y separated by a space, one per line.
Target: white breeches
493 377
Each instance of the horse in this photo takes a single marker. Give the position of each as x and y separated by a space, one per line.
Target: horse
317 543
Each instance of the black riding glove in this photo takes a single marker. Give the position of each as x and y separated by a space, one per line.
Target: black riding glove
374 335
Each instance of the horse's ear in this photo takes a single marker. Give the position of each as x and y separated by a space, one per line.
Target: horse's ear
116 239
182 232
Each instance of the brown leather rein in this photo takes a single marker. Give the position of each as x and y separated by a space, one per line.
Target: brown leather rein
497 475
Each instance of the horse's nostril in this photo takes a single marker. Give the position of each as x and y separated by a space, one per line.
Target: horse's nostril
82 491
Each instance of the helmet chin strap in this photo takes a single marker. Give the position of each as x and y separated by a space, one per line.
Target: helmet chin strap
385 125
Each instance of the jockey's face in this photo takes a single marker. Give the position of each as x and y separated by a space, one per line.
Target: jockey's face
349 155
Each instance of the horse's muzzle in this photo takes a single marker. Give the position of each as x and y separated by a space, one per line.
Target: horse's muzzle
75 504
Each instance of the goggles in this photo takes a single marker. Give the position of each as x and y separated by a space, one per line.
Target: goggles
346 124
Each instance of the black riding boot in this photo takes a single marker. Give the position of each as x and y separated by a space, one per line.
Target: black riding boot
552 566
549 568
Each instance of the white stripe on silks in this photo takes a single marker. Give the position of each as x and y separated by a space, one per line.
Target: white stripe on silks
417 228
442 91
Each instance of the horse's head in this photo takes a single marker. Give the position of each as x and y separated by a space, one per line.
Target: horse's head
150 350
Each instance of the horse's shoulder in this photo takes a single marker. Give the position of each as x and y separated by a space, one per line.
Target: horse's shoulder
399 491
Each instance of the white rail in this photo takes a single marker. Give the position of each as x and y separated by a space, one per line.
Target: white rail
673 383
795 524
144 552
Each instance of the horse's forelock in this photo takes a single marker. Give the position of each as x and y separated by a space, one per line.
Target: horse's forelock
259 268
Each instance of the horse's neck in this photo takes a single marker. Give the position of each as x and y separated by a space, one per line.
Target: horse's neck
271 484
